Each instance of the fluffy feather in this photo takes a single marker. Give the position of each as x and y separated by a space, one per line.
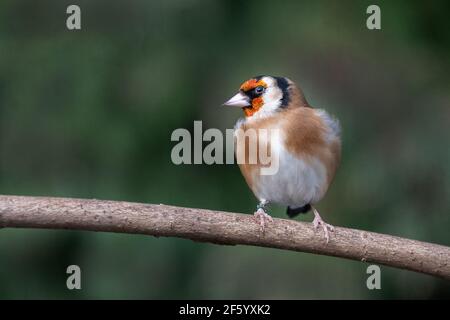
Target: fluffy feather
308 149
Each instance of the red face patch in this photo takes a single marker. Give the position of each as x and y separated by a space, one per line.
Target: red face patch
257 102
252 84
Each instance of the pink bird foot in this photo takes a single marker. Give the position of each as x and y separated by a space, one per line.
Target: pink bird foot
319 222
262 218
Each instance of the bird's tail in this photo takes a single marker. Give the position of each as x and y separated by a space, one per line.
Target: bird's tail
292 212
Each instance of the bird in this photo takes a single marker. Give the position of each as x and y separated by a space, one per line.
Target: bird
307 146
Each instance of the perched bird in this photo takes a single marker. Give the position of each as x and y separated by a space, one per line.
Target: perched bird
308 147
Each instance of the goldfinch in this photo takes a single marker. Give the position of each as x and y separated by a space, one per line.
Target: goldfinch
308 147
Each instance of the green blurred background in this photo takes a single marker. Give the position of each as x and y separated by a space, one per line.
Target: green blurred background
90 113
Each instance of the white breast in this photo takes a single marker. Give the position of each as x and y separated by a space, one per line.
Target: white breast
297 182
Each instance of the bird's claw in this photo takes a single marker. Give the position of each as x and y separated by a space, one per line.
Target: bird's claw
262 218
325 226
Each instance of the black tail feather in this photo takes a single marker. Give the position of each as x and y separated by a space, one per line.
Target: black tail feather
292 212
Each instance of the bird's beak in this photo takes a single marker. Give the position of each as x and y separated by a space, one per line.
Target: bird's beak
239 100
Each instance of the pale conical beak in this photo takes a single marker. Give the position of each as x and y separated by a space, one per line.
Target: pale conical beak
239 100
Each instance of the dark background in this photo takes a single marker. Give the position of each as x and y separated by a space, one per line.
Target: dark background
90 113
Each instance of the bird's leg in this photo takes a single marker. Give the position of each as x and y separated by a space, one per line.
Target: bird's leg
261 216
319 222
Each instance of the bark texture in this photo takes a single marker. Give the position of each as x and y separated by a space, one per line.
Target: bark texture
221 228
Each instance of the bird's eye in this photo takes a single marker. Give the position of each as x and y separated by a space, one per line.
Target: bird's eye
259 89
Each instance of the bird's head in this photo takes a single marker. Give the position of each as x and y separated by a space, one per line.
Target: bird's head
264 95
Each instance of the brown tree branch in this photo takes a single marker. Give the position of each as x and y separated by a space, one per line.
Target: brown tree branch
221 228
